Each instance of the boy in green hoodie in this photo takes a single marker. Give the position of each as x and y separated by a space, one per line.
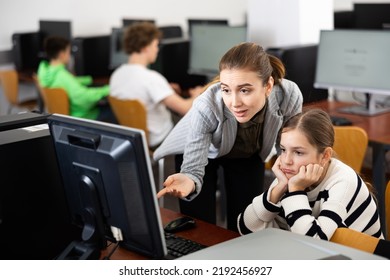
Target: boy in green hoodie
83 100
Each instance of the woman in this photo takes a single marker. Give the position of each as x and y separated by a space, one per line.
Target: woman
313 193
233 125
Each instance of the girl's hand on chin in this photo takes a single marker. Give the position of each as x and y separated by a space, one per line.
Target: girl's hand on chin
307 176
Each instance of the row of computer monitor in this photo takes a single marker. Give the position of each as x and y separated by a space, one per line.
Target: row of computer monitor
28 47
347 59
179 56
206 45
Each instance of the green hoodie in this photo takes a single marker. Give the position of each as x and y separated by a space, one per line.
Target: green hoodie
83 100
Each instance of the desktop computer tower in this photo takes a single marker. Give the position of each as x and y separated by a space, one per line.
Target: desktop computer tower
34 219
300 63
91 56
25 50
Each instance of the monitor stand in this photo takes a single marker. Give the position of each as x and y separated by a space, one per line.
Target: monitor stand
93 237
369 110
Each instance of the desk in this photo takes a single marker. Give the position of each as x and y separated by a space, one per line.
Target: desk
377 128
204 233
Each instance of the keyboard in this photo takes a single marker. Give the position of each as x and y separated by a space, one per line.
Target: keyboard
178 246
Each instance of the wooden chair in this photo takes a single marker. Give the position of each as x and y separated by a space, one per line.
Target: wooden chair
350 145
361 241
387 210
56 100
132 113
9 80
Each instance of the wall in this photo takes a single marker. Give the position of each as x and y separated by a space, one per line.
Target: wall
298 22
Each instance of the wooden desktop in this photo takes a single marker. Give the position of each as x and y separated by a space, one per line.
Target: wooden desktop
377 128
204 233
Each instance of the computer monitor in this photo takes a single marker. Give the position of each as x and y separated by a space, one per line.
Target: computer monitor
25 49
34 222
209 43
371 15
300 65
343 19
117 54
171 31
278 244
355 60
129 21
198 21
91 56
172 59
55 28
108 182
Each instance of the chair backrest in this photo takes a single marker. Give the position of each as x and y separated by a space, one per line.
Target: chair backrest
131 113
355 239
350 145
56 100
9 81
387 210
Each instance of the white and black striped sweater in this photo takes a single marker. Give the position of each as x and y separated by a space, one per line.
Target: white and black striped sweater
342 199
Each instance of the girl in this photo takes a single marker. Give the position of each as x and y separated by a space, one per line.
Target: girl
313 193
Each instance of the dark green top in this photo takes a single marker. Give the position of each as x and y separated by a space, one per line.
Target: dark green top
249 137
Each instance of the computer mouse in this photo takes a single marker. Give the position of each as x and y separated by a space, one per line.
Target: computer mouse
180 224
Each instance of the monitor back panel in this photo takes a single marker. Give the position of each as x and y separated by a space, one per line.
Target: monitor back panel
92 55
277 244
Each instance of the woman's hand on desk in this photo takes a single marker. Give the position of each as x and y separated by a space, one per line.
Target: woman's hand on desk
178 185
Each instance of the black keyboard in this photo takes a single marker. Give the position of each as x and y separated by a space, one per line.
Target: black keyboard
178 246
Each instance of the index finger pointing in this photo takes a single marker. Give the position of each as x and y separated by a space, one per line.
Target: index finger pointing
161 193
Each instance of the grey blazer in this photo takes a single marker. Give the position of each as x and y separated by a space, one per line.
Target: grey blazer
209 129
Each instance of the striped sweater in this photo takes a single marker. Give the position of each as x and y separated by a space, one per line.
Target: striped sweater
342 199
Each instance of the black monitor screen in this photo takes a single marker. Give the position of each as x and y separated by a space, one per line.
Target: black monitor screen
108 183
372 15
172 59
91 56
55 28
